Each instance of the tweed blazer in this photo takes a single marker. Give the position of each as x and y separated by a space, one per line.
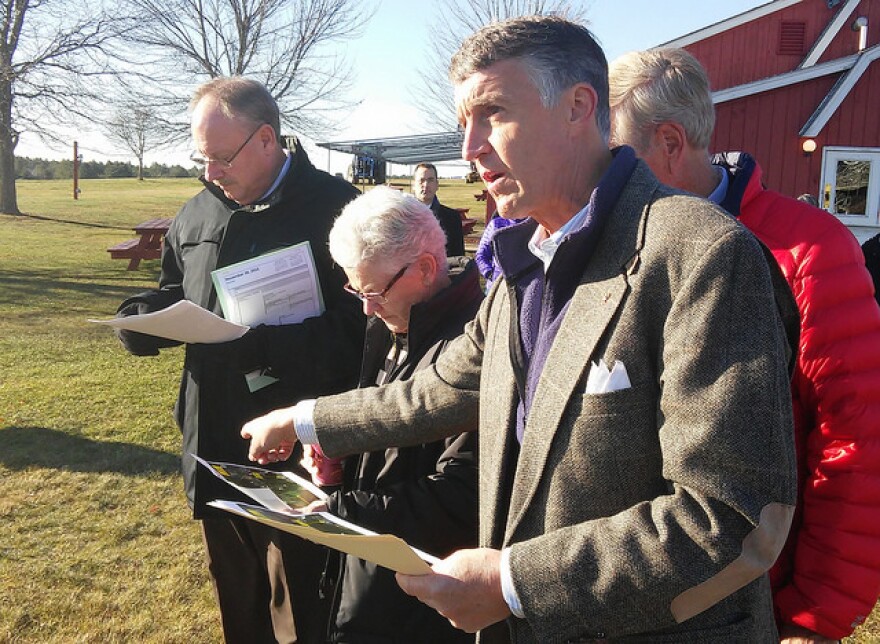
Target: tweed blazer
645 514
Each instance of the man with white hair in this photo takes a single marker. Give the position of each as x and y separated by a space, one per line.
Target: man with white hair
417 301
827 580
627 377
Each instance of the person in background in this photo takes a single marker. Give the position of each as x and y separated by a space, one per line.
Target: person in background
485 254
629 385
258 197
393 251
424 187
827 580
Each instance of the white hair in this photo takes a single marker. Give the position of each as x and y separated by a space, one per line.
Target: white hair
389 228
656 86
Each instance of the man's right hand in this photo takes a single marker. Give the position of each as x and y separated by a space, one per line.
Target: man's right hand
272 436
141 344
465 588
137 344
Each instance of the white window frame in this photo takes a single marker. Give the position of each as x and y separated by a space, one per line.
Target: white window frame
830 157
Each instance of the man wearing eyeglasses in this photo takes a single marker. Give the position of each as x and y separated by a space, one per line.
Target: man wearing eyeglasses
258 197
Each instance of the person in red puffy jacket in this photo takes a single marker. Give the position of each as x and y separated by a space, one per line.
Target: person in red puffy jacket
827 579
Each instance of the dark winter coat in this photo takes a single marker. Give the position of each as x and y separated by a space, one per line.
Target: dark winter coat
426 494
450 222
318 356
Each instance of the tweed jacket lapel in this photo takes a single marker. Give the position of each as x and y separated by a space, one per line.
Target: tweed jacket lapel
497 438
598 297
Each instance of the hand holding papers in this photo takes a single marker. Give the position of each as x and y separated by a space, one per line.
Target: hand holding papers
183 322
280 287
280 493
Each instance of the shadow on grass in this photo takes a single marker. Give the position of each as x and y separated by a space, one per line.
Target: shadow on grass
72 221
16 286
23 447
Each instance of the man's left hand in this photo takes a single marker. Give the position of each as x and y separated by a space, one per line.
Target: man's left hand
465 588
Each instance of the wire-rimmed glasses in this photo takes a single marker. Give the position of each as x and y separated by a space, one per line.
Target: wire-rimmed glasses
376 298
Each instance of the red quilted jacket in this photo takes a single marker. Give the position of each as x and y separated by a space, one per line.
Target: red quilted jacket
827 578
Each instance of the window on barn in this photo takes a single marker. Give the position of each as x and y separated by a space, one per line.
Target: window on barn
792 38
851 184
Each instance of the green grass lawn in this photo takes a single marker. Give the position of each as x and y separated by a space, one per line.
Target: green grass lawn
98 544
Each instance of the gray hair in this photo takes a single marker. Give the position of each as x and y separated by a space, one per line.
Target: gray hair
243 98
557 53
386 227
658 86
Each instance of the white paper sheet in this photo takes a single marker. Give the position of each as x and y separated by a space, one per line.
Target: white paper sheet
182 321
328 530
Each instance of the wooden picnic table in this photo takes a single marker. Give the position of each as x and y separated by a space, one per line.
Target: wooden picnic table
490 203
147 245
467 223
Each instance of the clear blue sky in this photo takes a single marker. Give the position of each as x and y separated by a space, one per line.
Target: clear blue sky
396 43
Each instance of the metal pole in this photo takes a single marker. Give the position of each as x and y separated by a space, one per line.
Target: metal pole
75 170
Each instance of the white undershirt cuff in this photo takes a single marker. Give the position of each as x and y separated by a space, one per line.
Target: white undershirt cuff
304 422
507 589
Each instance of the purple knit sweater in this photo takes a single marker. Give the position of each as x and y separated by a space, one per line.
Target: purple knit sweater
542 300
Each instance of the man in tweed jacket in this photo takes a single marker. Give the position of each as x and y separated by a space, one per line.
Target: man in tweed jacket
641 505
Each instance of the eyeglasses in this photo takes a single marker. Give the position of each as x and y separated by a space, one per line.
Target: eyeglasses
223 164
376 298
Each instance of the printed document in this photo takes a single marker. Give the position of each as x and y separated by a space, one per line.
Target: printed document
280 287
281 494
182 321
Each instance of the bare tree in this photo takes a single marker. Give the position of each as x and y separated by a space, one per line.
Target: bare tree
49 51
288 46
455 21
139 129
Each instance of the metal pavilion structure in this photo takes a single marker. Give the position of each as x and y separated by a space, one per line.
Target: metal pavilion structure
404 150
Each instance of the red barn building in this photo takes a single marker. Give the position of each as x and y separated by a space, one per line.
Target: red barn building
797 84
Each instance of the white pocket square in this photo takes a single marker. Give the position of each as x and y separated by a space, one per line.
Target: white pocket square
602 380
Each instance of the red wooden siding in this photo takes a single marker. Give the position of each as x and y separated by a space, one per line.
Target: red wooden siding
857 121
766 125
751 51
792 39
846 41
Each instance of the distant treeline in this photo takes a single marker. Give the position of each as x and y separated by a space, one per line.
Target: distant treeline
26 168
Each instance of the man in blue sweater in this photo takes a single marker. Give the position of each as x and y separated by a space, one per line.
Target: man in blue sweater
628 380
